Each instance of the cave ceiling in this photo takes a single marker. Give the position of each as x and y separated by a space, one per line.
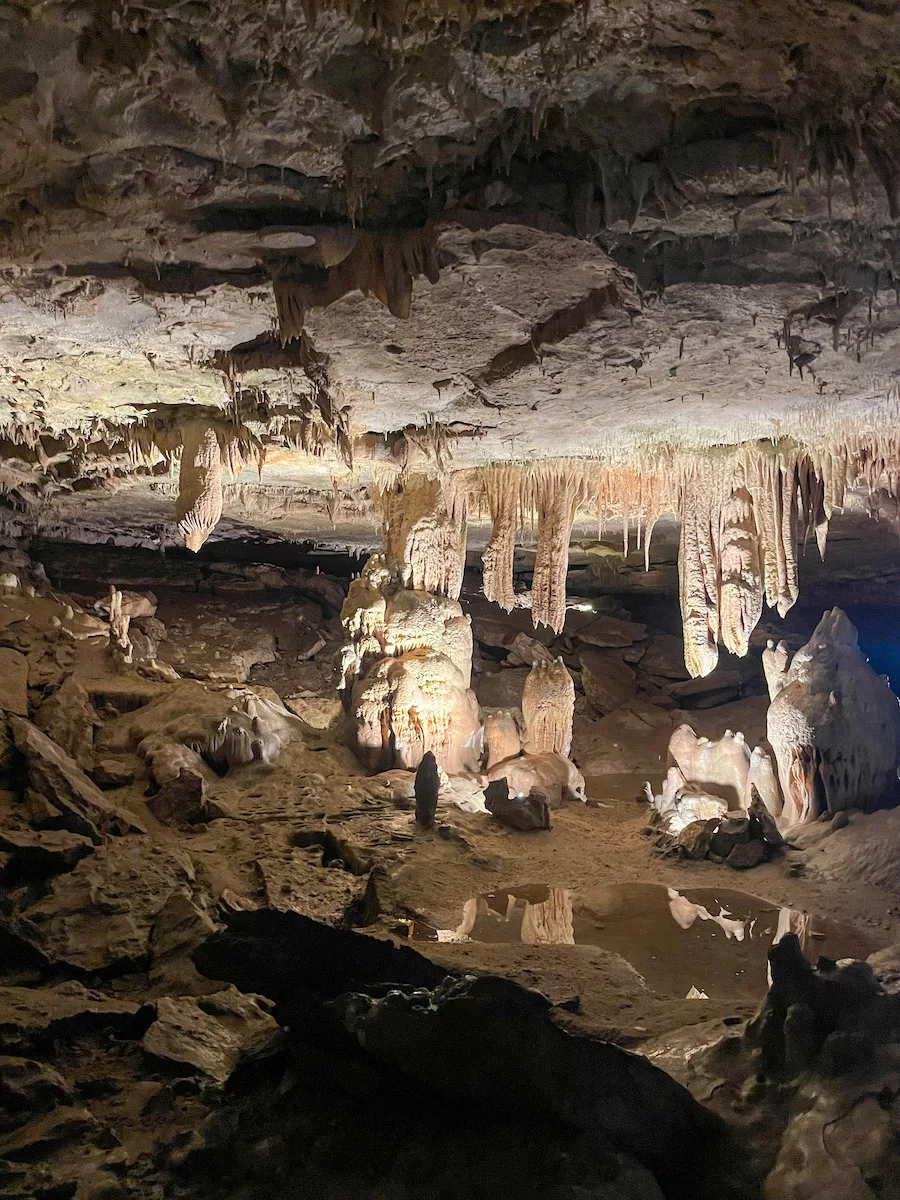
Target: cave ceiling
433 232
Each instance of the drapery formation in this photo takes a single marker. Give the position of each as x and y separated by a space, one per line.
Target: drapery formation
743 511
424 529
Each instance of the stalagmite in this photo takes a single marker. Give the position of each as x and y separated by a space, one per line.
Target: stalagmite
199 504
835 728
406 666
548 706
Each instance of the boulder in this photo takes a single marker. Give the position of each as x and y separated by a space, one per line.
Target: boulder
746 855
180 926
664 657
44 1134
81 806
182 800
100 916
28 1087
35 854
13 682
210 1033
610 632
720 687
517 812
319 712
607 681
34 1018
503 688
694 839
116 770
69 719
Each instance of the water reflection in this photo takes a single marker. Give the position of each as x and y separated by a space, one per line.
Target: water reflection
700 941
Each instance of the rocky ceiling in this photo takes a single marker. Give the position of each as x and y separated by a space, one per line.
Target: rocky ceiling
433 231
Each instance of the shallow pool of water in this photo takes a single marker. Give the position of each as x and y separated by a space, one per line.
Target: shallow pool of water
712 941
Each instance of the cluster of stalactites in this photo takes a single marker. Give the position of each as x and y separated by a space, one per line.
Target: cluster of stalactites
741 514
548 495
424 528
383 265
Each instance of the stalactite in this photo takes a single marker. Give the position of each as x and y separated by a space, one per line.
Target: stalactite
502 487
741 585
199 504
556 490
383 265
698 566
420 532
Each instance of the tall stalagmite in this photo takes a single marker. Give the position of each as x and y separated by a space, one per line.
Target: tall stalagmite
548 706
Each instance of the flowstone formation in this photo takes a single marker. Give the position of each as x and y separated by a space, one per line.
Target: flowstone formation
834 725
406 673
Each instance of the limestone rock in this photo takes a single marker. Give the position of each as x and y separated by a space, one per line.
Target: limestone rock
611 632
502 689
556 778
28 1087
517 812
116 770
208 1034
44 1134
181 801
298 882
746 854
694 839
665 657
528 651
35 854
13 682
719 687
101 914
540 1067
69 719
81 805
608 682
319 712
179 927
34 1017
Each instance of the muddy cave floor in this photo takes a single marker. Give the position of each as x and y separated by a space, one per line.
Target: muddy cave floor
312 833
427 876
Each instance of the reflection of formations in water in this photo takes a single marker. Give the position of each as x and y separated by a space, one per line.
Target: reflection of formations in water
791 920
550 923
685 913
547 921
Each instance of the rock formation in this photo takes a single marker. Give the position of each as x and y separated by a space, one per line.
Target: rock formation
548 706
726 768
834 726
555 777
427 786
406 674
